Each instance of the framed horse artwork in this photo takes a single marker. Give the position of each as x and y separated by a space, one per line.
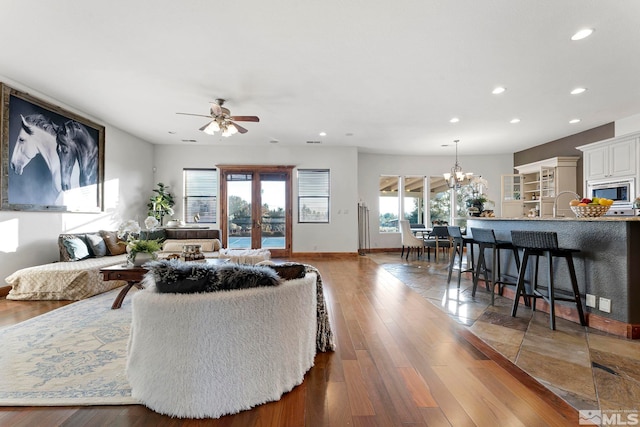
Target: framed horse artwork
51 159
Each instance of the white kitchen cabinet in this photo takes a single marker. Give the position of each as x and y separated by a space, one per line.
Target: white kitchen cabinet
512 205
533 191
613 158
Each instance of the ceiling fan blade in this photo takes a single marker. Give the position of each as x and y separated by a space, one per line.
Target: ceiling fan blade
245 118
204 127
197 115
240 128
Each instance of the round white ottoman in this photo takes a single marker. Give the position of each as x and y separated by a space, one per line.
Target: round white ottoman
210 354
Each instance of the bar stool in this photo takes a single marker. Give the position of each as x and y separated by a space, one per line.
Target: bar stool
486 239
460 242
545 243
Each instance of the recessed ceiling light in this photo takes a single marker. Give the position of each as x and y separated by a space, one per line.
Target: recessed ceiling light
322 134
273 141
584 33
454 120
578 90
498 90
172 132
573 121
515 120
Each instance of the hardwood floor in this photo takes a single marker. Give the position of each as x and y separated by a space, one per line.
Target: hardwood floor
399 361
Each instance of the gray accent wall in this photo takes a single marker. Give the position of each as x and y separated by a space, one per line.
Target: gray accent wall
565 147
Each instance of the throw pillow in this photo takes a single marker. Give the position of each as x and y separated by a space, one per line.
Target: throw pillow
172 245
289 271
239 276
96 244
76 247
111 240
173 276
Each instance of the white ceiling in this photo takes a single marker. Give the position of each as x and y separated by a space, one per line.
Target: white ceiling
385 76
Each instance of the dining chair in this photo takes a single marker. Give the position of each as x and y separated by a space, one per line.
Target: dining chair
409 240
437 238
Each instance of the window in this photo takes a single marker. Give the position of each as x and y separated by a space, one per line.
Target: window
389 204
439 200
313 195
200 195
413 199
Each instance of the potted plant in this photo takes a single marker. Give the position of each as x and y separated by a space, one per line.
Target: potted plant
161 204
476 197
139 250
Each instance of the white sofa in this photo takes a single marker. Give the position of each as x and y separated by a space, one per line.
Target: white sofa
205 355
76 280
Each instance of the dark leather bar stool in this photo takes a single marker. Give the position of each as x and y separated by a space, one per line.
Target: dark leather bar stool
460 242
545 243
486 239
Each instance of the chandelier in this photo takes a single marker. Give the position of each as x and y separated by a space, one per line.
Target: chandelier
456 177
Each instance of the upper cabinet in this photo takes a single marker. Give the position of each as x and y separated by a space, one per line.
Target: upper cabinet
612 158
533 191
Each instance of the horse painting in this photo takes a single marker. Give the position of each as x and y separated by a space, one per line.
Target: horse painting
38 136
74 143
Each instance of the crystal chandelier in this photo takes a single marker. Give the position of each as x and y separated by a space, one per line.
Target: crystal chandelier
456 177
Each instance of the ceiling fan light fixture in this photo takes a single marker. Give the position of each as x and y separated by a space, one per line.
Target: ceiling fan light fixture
211 128
229 129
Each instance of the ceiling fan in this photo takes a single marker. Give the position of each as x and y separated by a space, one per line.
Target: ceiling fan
222 120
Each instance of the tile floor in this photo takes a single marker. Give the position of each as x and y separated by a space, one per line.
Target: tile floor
587 368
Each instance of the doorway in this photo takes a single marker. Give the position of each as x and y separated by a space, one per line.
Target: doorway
256 208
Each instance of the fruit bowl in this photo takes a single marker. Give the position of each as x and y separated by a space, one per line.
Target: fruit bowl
589 211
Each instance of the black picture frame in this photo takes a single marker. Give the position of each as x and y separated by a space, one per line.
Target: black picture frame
33 176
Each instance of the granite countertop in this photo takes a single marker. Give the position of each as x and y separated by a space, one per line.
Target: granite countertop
548 218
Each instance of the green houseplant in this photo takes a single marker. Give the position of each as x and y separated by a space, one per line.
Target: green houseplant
161 203
130 231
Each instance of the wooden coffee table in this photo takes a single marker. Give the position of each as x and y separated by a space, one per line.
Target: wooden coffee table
132 275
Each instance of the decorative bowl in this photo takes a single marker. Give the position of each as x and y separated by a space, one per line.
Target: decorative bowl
589 211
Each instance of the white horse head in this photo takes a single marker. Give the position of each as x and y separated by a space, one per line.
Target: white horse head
37 136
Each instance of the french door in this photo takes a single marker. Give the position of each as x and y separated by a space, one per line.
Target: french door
256 208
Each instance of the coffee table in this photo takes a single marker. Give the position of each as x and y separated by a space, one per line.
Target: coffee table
132 275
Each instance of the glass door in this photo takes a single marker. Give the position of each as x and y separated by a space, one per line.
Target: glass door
273 191
256 208
239 202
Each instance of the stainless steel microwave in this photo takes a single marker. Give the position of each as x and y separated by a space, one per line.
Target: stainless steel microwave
622 192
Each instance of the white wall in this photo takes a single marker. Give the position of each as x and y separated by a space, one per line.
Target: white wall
31 238
627 125
372 166
340 235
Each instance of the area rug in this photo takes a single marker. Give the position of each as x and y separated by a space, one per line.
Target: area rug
74 355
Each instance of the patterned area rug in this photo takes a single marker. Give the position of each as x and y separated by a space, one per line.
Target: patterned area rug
75 355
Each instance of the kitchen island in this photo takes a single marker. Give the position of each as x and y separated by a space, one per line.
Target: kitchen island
607 266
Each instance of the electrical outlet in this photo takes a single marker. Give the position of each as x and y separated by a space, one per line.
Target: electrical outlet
605 305
591 301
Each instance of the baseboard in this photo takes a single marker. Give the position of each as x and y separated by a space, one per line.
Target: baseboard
336 255
595 321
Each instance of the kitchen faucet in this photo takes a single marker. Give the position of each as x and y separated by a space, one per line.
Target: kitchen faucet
555 201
